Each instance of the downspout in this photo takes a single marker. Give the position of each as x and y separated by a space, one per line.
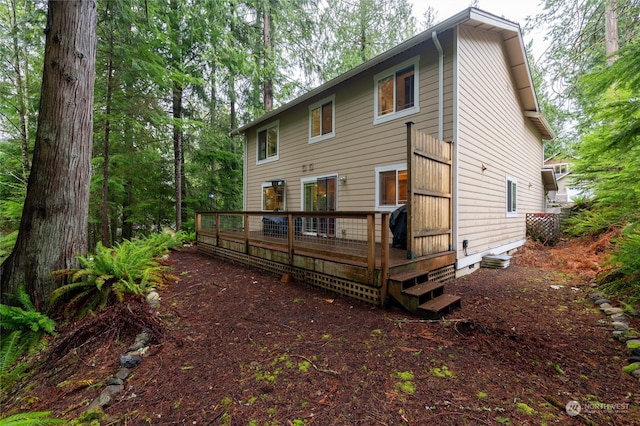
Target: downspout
434 36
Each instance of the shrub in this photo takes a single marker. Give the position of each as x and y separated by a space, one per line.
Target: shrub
105 277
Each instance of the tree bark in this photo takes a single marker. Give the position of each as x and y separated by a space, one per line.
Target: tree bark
107 147
268 58
53 228
611 30
177 150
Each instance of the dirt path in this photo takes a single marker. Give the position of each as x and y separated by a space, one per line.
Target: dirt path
242 348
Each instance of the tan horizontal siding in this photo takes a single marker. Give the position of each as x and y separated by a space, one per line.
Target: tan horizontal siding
493 131
359 146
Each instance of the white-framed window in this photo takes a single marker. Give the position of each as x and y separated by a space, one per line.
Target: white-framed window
391 186
396 91
322 119
268 142
512 196
274 195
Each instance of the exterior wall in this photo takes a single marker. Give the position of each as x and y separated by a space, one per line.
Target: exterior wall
494 135
359 146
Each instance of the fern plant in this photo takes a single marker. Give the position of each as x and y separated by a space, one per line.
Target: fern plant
106 276
38 418
20 329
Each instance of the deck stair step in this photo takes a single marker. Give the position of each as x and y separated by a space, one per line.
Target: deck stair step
439 306
413 290
431 288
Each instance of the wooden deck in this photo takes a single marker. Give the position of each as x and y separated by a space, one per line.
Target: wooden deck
356 261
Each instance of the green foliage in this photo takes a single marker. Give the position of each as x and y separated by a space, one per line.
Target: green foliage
106 276
38 418
20 329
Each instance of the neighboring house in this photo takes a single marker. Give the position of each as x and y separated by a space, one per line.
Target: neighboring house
343 146
567 191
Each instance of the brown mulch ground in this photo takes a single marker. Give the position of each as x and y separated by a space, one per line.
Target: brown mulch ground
235 346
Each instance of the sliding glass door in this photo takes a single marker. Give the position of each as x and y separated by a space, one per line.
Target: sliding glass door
319 195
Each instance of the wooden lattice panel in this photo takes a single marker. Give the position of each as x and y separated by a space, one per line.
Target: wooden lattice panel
443 274
544 227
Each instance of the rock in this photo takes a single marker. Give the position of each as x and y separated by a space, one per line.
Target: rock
635 352
136 346
604 306
620 326
123 373
596 295
113 389
601 301
636 373
629 369
633 344
611 311
114 381
620 318
617 334
153 299
142 337
629 335
130 361
633 359
101 401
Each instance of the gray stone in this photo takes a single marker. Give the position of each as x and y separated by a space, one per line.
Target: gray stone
629 335
611 311
620 326
596 295
601 301
633 359
113 389
636 373
142 337
620 317
114 381
604 306
102 400
618 333
635 352
123 373
153 299
130 361
136 346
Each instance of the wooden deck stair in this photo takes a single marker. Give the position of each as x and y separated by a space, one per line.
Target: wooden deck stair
422 297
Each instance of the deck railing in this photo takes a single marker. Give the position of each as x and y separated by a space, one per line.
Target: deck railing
353 237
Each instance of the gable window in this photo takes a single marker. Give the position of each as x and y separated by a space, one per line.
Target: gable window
396 91
268 141
391 186
273 195
511 193
322 120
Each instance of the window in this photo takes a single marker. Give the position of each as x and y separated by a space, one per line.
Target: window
512 204
396 92
322 120
268 140
391 186
273 195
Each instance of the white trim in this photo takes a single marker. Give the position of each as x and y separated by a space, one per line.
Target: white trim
276 157
315 179
476 258
388 168
509 213
332 133
378 119
455 208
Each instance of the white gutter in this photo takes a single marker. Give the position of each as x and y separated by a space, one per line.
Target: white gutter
434 36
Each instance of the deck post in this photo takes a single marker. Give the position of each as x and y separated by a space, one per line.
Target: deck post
290 234
371 247
411 136
246 233
384 258
217 216
198 224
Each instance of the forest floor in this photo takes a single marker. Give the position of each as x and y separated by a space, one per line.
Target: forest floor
236 346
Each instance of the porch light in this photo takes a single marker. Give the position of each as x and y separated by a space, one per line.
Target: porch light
343 180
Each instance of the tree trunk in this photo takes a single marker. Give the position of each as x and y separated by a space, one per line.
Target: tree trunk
177 150
22 88
611 30
107 142
54 226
